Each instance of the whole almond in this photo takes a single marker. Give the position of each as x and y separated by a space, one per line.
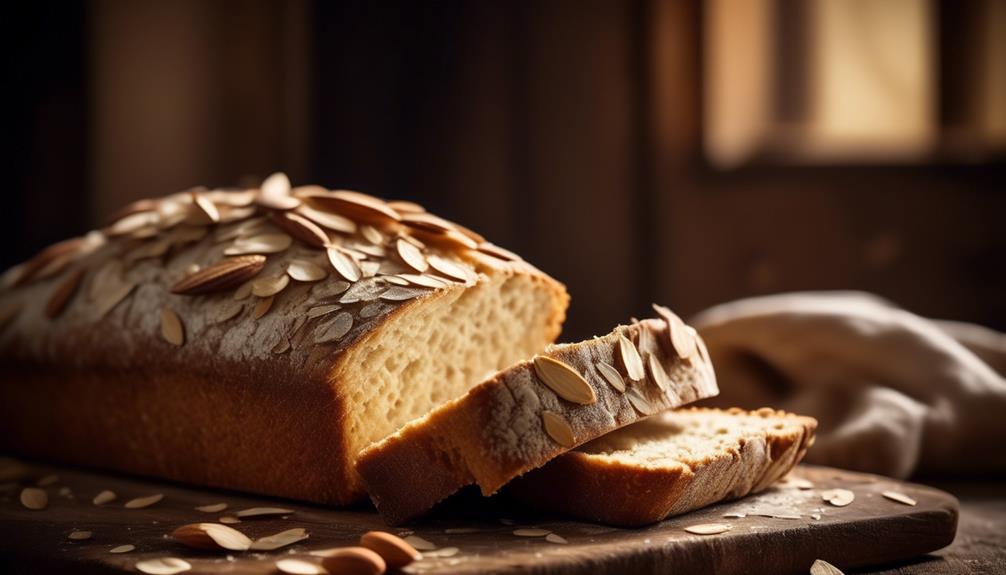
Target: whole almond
212 536
354 561
395 551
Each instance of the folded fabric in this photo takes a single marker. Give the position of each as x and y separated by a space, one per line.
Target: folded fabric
894 393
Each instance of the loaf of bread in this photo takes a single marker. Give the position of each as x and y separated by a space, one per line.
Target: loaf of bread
526 415
257 339
669 464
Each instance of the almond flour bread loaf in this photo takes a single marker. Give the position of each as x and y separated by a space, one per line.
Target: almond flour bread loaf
666 465
528 414
257 339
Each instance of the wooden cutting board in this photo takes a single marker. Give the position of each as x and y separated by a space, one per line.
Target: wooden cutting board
783 531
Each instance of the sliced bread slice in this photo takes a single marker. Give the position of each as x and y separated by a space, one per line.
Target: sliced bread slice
670 464
531 412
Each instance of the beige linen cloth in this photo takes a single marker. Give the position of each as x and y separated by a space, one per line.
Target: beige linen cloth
894 393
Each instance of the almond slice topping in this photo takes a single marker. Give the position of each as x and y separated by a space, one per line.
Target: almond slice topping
334 222
171 327
344 264
305 271
221 276
658 374
611 375
630 359
275 193
558 428
261 244
412 256
356 205
565 381
301 228
270 286
163 566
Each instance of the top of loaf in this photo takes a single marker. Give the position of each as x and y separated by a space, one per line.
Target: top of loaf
202 260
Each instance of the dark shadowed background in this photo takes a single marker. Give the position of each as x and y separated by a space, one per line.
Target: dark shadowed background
648 150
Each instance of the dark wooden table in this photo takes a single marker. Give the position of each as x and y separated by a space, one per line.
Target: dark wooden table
980 546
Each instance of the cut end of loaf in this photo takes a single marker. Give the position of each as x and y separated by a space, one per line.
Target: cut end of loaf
437 350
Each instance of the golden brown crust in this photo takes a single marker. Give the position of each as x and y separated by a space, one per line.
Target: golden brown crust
607 490
246 402
495 432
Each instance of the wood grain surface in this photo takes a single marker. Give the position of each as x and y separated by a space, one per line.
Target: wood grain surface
769 539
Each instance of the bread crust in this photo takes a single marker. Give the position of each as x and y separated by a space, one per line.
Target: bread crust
599 489
233 406
495 433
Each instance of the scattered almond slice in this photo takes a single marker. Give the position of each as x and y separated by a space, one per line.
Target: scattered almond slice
556 538
822 567
144 502
270 285
34 498
278 540
899 497
419 543
531 532
443 552
299 567
79 535
212 508
229 520
708 528
122 549
104 497
163 566
838 497
261 511
305 271
211 536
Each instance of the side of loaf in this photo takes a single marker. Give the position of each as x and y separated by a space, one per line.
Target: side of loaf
667 465
528 414
257 339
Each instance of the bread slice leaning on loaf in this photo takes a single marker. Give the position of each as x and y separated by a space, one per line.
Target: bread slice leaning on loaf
257 339
669 464
529 413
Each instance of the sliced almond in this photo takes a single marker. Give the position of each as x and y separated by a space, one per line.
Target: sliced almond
443 552
57 302
269 286
531 532
354 561
321 310
558 428
411 255
281 539
498 252
221 276
401 294
423 280
80 535
556 538
275 193
228 310
358 206
611 375
299 567
301 228
34 498
111 297
212 508
639 401
344 264
372 235
204 211
395 551
144 502
370 310
565 381
681 339
229 520
171 327
163 566
305 271
658 374
630 359
419 543
262 244
838 497
899 497
262 307
708 528
122 549
211 536
449 269
336 329
331 221
104 497
822 567
243 291
261 511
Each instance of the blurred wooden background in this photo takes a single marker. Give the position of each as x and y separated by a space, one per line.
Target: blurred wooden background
574 132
